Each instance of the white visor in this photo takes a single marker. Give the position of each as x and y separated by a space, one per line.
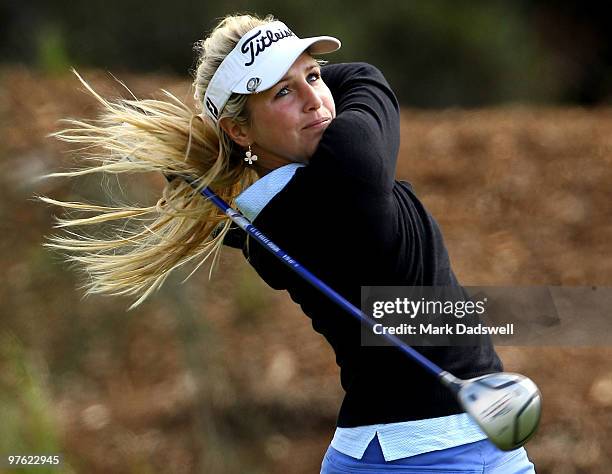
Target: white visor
260 59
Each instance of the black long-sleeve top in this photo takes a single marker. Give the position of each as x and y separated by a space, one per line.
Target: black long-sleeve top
345 218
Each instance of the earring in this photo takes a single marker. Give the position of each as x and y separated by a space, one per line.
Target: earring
250 157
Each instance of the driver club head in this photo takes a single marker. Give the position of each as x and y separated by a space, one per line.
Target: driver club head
505 405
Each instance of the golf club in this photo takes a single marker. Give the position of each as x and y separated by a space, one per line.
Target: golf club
505 405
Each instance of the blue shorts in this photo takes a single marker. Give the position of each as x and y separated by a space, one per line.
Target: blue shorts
481 457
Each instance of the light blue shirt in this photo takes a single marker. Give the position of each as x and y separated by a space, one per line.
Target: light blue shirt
254 198
397 440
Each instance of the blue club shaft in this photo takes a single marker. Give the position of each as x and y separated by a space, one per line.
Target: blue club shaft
248 227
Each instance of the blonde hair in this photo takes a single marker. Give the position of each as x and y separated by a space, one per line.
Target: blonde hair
167 136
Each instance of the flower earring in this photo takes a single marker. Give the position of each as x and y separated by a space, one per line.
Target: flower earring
250 157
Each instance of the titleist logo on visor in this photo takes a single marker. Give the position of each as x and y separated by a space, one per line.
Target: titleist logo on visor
254 45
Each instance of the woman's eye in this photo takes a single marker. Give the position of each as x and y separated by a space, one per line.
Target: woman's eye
313 76
284 91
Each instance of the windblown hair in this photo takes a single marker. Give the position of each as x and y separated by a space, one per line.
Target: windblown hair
162 136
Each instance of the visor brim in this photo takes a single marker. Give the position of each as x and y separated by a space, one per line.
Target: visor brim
276 66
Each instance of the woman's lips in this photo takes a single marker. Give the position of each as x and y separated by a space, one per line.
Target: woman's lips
319 123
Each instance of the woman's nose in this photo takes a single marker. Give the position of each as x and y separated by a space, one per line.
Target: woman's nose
312 100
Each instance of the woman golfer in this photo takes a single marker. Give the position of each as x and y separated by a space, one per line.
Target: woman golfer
308 153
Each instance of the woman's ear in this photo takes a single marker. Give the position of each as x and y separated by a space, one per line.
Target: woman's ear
238 133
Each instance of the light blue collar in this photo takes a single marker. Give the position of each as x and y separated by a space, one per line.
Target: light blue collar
254 198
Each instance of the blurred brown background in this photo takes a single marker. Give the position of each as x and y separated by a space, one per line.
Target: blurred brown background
227 376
